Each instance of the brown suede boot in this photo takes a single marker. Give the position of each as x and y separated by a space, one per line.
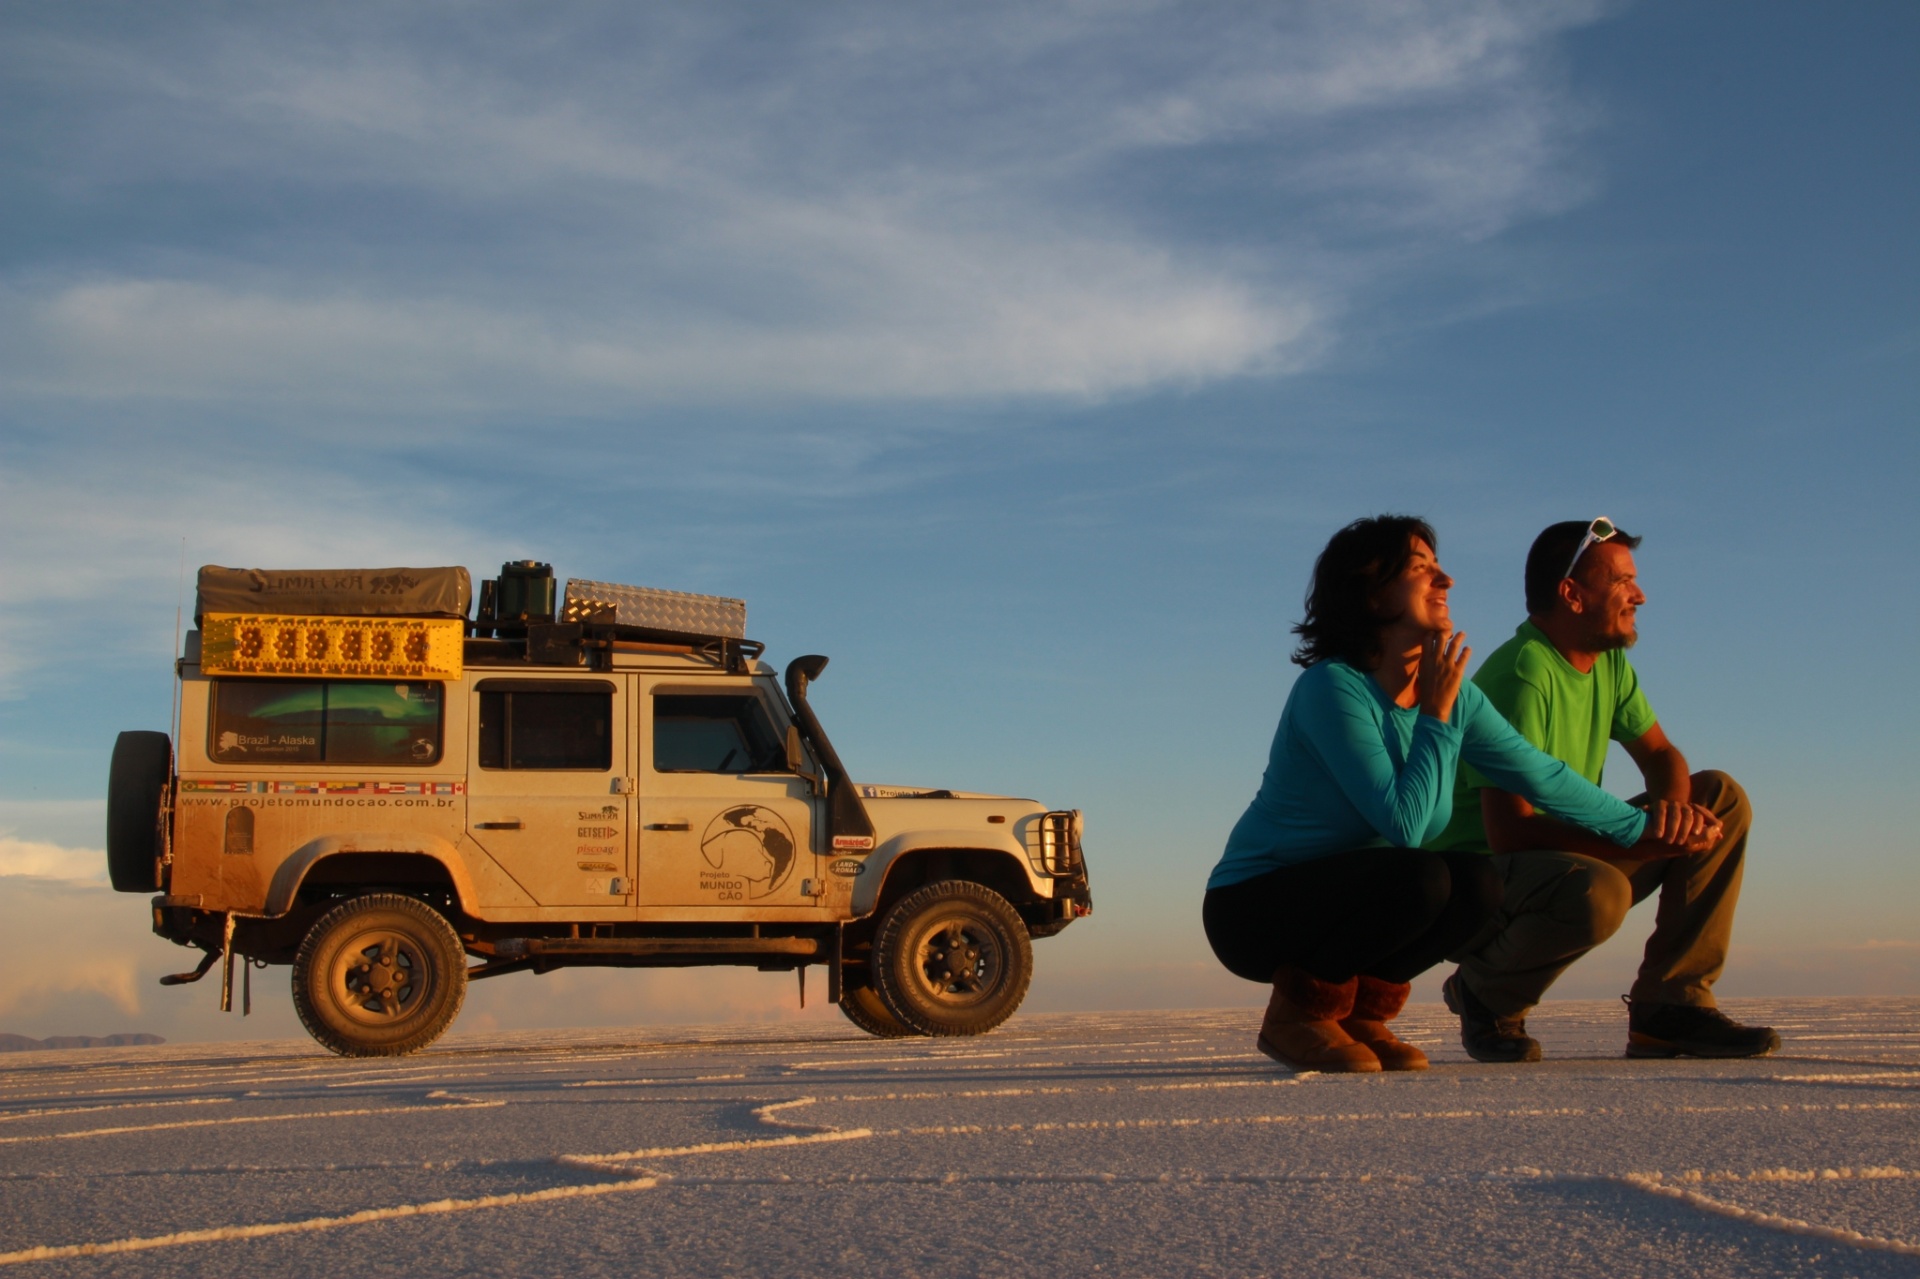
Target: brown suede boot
1302 1025
1375 1003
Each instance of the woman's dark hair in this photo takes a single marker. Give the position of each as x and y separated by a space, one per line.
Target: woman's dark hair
1362 557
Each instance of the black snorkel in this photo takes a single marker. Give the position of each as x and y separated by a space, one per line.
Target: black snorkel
848 824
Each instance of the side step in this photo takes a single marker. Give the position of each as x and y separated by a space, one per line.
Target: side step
528 947
544 954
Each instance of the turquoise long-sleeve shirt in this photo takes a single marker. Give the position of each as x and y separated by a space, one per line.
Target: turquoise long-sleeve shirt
1351 769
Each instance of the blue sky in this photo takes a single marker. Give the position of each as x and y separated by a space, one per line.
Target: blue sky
1020 359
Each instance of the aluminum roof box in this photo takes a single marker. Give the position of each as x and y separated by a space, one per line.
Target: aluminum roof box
646 608
335 592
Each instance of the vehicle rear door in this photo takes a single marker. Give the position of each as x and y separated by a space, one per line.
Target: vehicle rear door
548 796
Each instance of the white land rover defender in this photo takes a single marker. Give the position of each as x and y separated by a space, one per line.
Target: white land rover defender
371 787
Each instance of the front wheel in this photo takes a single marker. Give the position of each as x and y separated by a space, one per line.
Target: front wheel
379 976
952 958
862 1006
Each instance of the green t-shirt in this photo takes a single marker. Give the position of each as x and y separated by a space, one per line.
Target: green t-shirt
1568 715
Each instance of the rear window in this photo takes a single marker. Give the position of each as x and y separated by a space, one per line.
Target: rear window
522 729
274 721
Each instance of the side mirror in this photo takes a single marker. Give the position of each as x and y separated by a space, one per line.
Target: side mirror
797 761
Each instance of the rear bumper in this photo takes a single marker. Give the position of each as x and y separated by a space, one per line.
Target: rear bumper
184 922
181 921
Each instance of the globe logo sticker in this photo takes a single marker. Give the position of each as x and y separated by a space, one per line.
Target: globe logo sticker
753 843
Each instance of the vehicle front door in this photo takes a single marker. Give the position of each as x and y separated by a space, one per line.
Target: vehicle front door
723 823
548 797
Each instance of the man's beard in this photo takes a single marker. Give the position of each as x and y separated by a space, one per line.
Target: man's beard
1610 642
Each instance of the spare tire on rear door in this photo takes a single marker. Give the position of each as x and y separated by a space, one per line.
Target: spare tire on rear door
142 766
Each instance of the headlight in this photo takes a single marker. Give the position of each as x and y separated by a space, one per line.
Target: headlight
1053 843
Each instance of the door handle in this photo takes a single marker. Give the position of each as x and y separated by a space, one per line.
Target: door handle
666 826
515 824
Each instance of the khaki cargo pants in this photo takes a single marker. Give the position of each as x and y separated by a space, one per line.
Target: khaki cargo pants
1559 905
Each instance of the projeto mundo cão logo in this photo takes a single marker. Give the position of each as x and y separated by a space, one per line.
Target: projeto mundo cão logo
752 842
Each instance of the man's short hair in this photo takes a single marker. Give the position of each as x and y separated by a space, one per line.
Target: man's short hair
1547 560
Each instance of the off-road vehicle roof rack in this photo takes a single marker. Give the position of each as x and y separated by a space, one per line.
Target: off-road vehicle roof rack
517 621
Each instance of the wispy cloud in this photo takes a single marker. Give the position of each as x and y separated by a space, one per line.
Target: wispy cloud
107 524
604 209
263 266
1077 319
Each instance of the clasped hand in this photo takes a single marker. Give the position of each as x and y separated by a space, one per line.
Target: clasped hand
1676 826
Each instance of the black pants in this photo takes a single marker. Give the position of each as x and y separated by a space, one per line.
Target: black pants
1390 913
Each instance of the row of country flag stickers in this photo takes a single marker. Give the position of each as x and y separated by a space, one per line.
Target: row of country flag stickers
202 787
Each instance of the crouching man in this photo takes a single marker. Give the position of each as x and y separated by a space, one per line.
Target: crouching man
1564 682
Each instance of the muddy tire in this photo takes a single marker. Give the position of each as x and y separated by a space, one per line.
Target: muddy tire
379 976
136 784
952 958
863 1007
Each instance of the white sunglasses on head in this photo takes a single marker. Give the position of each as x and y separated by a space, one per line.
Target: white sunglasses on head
1598 531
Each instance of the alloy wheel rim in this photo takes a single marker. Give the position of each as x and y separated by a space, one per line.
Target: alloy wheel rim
959 962
380 977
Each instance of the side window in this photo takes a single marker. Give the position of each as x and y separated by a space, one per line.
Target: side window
547 730
285 721
714 733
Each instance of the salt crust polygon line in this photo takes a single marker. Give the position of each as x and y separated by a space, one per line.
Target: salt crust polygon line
177 1078
649 1083
772 1115
378 1081
1221 1121
1869 1076
457 1102
367 1216
1654 1185
1650 1183
1675 1188
605 1163
804 1135
122 1087
450 1102
123 1105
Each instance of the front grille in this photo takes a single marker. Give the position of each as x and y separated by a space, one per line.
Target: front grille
1053 845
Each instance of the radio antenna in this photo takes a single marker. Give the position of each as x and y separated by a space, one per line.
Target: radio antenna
179 608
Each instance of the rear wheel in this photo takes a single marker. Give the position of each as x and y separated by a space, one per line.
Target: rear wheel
379 976
952 958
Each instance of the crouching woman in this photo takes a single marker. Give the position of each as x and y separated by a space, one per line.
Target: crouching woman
1324 890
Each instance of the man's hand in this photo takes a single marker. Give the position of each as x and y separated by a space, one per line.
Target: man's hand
1676 827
